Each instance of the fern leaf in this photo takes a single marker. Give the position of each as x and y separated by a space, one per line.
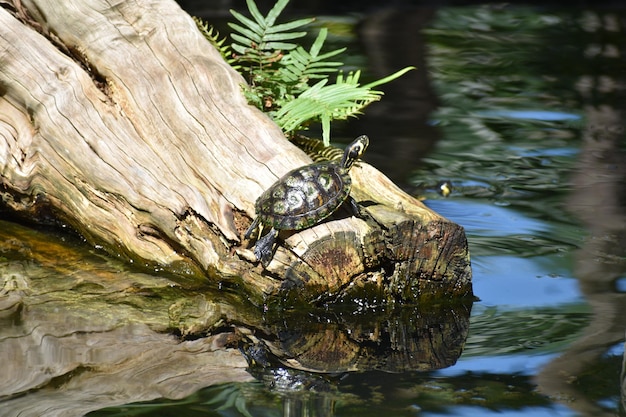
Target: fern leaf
331 54
239 49
256 14
283 36
323 67
325 129
389 78
273 14
325 103
352 78
245 36
283 46
213 36
279 72
319 42
300 65
255 37
284 27
250 24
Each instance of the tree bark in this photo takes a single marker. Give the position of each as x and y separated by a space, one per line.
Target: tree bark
119 119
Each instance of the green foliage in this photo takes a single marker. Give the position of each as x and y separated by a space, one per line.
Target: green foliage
325 103
260 40
300 65
289 82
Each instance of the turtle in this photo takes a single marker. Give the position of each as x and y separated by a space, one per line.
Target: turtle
304 197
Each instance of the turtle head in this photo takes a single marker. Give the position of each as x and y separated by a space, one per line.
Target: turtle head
354 151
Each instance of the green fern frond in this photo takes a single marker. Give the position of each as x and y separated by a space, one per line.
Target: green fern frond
259 38
279 72
300 65
389 78
325 103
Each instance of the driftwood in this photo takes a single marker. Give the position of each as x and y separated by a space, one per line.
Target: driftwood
120 120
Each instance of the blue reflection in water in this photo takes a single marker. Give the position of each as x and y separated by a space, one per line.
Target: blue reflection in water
510 281
509 364
554 411
544 115
545 152
486 219
616 350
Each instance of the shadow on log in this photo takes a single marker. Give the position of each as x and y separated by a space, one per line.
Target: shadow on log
120 120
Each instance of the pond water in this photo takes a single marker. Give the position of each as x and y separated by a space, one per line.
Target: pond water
521 110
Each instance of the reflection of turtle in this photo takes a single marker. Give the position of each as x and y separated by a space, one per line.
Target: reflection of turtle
263 365
304 197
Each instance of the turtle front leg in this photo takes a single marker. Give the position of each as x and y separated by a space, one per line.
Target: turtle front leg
355 208
253 226
263 248
359 211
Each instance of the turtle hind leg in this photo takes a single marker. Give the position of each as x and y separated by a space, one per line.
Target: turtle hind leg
263 249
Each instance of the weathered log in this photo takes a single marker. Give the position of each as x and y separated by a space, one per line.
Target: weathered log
123 122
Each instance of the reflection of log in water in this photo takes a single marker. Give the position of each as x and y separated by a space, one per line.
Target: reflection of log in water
70 374
73 341
599 200
303 356
419 338
99 336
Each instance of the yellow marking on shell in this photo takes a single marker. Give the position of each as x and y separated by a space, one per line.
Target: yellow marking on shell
296 199
293 202
311 191
279 192
292 181
279 207
326 182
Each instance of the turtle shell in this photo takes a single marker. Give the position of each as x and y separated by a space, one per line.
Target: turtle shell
304 196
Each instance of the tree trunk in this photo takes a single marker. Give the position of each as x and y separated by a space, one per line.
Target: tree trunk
122 121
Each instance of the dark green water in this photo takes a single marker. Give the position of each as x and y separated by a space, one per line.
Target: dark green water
522 110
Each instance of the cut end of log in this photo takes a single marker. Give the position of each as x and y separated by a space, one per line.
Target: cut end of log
391 258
